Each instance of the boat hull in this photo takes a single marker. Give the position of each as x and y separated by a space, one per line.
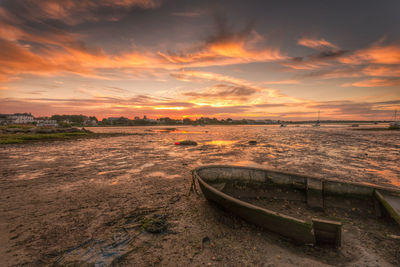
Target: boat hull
317 193
298 230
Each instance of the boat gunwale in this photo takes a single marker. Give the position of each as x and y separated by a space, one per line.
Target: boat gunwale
247 204
384 188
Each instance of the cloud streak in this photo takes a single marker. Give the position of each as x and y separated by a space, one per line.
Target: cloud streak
74 12
376 54
316 43
375 83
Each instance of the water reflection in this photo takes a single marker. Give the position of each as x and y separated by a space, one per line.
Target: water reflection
220 142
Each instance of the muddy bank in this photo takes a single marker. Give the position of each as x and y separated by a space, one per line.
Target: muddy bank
88 201
16 136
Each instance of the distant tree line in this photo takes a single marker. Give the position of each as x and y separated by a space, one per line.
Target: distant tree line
83 120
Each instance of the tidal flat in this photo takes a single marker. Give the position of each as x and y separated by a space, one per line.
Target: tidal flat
123 200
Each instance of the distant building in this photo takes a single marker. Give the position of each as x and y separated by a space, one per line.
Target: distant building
23 118
90 122
5 119
46 123
112 118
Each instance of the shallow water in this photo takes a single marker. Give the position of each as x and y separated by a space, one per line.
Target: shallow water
334 151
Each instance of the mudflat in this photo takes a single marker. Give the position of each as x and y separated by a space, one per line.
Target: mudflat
123 200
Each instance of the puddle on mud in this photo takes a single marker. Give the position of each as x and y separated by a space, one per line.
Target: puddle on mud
220 142
140 168
388 174
163 175
30 175
107 172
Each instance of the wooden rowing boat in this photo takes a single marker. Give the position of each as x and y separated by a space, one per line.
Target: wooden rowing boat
309 210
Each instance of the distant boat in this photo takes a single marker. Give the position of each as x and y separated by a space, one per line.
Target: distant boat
283 125
355 125
395 124
317 123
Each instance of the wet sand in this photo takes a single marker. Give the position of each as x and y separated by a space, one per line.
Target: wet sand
84 201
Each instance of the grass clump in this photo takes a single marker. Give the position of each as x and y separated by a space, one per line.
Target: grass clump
22 138
19 126
156 224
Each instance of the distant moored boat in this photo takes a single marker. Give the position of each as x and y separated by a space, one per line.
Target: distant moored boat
395 124
317 123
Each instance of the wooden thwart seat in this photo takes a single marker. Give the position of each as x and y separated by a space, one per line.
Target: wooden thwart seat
390 202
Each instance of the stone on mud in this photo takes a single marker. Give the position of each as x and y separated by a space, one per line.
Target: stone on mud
186 143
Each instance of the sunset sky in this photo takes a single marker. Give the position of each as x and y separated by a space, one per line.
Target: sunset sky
237 59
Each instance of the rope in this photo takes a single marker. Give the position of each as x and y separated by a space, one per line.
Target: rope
193 184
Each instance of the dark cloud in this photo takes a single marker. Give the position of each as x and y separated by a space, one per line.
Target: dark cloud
297 59
367 110
226 32
73 12
329 54
333 72
315 61
224 91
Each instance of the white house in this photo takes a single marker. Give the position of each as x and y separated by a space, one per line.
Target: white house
46 123
22 118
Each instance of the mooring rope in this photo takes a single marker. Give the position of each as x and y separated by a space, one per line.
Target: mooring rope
193 184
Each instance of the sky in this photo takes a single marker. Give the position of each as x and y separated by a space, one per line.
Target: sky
185 58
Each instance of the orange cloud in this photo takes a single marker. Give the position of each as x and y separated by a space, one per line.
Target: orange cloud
226 47
375 83
16 59
60 51
283 82
231 91
305 65
383 71
377 54
223 54
315 44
